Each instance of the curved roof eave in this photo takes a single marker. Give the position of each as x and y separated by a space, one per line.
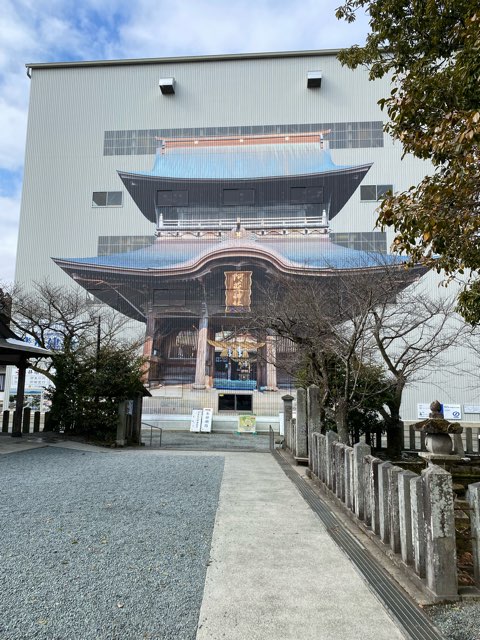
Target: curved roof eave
339 169
247 250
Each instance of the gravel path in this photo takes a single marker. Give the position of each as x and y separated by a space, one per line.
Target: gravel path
460 621
104 546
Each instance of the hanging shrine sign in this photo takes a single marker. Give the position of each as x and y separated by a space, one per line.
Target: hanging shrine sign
238 291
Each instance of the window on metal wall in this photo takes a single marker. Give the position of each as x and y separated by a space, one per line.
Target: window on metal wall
234 402
107 199
343 135
374 192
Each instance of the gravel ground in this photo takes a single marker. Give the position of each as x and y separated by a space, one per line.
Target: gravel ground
460 621
104 546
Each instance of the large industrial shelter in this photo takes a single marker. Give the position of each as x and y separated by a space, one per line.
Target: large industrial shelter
174 190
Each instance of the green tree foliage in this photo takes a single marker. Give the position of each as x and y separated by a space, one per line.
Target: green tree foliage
367 393
91 367
362 337
431 51
89 388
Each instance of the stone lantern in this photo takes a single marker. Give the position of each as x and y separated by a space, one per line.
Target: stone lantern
438 436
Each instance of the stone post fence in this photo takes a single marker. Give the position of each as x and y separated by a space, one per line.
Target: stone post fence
409 516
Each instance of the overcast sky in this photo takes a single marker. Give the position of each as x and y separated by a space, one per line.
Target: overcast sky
60 30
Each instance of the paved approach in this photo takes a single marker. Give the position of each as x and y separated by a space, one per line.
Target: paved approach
274 572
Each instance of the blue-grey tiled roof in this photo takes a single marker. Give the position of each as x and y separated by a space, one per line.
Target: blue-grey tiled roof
310 252
238 162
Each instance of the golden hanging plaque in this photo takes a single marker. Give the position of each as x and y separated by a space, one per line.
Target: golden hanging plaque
238 291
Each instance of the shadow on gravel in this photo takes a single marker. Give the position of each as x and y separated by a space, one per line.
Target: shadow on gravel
205 441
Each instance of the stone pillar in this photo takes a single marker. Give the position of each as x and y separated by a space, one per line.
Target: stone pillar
201 353
348 473
405 512
458 448
331 438
393 508
339 449
367 472
473 496
352 483
373 494
418 525
323 458
301 444
121 438
360 450
137 419
271 357
469 439
383 501
441 556
313 416
313 454
287 419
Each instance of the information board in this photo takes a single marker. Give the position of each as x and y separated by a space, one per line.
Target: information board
423 410
206 425
196 420
452 412
471 408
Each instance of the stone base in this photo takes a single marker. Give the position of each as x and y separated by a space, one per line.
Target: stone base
438 458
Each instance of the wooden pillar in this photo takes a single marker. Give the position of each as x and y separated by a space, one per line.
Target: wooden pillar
17 416
201 353
271 356
148 345
210 361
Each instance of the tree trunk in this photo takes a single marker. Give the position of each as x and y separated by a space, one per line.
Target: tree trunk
394 438
394 427
341 411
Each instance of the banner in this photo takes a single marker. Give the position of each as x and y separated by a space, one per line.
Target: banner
247 424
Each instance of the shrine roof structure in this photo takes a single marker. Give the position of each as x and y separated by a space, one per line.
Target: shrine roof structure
241 158
181 256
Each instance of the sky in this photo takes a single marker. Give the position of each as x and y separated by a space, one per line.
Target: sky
33 31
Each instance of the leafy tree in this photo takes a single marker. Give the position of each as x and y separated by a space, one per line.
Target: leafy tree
430 49
91 367
363 337
326 319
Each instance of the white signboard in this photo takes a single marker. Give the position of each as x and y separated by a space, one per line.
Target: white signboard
196 421
452 412
423 410
206 426
471 408
33 380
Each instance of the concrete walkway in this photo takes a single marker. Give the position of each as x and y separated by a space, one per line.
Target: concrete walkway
275 573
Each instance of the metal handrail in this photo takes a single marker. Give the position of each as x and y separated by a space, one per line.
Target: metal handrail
152 427
246 223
